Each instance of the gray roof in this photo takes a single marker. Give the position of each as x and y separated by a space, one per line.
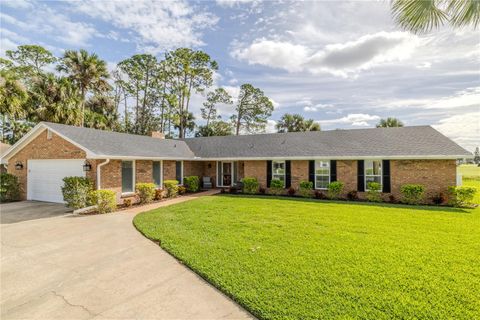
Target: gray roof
110 143
414 142
376 142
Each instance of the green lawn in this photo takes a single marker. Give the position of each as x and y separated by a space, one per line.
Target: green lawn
303 259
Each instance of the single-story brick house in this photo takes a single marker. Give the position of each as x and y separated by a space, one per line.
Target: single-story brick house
116 161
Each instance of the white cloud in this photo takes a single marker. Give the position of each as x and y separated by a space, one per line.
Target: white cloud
341 59
315 108
270 127
233 3
462 128
274 54
159 25
18 4
353 119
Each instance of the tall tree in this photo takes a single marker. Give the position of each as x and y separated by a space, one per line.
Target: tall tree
31 58
13 96
209 110
252 110
296 123
216 128
87 71
389 123
191 72
424 15
101 113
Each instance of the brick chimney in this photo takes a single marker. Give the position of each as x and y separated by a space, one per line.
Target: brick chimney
157 134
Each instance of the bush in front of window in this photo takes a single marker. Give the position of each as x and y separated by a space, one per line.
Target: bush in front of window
412 193
9 187
305 189
76 191
145 192
276 187
373 192
158 194
250 185
105 200
192 183
461 196
335 189
182 190
172 188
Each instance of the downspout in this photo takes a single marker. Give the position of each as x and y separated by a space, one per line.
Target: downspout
99 166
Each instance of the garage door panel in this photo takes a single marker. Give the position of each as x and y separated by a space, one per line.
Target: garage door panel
45 178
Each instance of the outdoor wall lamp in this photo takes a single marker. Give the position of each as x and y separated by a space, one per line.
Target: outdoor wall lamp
87 166
18 165
209 166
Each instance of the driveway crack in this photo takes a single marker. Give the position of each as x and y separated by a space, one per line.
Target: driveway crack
74 305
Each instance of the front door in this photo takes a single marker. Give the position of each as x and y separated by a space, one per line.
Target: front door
226 173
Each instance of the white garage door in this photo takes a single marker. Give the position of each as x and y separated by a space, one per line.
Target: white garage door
44 179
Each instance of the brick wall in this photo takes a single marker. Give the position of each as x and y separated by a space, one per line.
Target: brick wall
169 170
298 172
347 173
193 168
42 148
257 169
143 171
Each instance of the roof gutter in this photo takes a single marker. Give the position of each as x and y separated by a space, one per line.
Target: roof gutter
99 167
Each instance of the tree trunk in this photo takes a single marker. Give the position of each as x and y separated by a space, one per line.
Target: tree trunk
83 106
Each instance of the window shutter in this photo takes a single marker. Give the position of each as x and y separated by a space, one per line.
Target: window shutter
269 172
386 176
311 172
235 172
360 175
333 170
219 173
288 176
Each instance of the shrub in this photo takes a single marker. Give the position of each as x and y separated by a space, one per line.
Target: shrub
319 195
76 191
305 189
352 195
335 189
373 193
291 191
182 190
192 183
392 198
145 191
9 187
262 190
158 194
276 187
172 188
462 196
127 202
250 185
412 193
439 198
105 200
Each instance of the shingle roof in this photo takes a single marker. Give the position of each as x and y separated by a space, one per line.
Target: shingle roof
110 143
406 142
376 142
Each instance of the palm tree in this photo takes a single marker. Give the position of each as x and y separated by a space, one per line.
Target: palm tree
389 123
296 123
13 96
87 72
420 16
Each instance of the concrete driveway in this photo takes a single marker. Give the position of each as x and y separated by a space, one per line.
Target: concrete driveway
13 212
99 267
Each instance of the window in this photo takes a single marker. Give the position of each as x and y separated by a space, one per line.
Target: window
322 174
373 172
127 176
179 171
278 171
157 173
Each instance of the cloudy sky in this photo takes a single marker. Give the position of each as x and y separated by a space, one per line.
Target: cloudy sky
344 64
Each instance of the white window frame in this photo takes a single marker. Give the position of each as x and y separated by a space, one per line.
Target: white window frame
322 175
160 186
180 183
284 171
133 178
372 175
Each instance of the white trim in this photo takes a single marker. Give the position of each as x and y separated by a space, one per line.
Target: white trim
321 175
134 173
397 157
99 167
372 175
